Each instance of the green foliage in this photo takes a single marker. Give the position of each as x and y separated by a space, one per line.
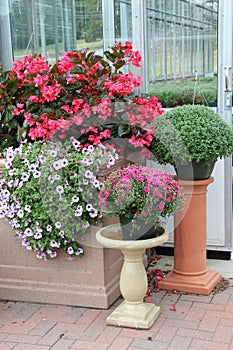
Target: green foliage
93 30
191 132
178 93
12 128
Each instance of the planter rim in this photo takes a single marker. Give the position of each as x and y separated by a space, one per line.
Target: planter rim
195 182
111 237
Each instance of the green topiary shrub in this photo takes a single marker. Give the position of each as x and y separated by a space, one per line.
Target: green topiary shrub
191 132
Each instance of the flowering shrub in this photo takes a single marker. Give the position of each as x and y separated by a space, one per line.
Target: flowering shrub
49 193
142 193
83 90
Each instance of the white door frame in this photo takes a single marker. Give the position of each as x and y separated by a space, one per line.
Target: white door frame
224 106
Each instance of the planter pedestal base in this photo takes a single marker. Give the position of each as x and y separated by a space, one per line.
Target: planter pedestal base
190 274
200 284
133 311
141 315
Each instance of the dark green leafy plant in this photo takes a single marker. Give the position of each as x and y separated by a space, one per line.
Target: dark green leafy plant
82 90
178 93
191 132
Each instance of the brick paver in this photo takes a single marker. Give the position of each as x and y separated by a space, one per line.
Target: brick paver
186 322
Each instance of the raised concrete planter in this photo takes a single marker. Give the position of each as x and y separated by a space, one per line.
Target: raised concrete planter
92 281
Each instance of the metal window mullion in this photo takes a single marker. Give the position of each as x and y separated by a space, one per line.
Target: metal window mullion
174 42
153 53
55 28
165 46
191 40
74 31
139 30
34 27
183 43
123 21
5 31
42 27
225 56
108 19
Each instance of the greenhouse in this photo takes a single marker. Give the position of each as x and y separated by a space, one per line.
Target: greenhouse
185 45
179 37
116 171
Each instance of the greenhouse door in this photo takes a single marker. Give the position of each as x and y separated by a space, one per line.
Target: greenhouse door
184 40
219 197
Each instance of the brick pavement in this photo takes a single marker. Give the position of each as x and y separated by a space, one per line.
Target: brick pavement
186 322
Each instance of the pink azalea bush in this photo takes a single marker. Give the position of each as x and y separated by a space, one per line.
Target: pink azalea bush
82 90
143 193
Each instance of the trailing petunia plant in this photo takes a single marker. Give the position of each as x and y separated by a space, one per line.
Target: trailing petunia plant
49 193
82 90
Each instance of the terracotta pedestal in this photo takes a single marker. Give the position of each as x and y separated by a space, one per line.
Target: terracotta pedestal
132 312
190 273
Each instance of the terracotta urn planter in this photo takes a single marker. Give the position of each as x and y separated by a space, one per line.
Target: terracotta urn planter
190 273
132 312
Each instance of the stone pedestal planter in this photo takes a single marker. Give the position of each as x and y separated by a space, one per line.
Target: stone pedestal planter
190 273
132 312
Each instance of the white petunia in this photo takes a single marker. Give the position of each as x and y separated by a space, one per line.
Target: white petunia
28 232
89 207
88 174
58 224
25 177
36 174
78 211
70 250
75 199
49 228
93 213
60 189
57 165
32 167
20 213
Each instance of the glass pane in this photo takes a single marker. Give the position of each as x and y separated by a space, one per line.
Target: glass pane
53 27
123 20
182 44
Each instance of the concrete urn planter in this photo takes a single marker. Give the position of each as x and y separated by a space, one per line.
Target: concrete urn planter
132 312
91 281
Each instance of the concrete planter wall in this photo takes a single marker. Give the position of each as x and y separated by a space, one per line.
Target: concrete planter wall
92 281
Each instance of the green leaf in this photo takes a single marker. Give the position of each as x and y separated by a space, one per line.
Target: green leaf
111 57
123 129
7 116
13 123
119 64
77 70
104 63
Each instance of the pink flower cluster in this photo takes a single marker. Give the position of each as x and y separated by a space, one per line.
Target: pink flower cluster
140 192
82 88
